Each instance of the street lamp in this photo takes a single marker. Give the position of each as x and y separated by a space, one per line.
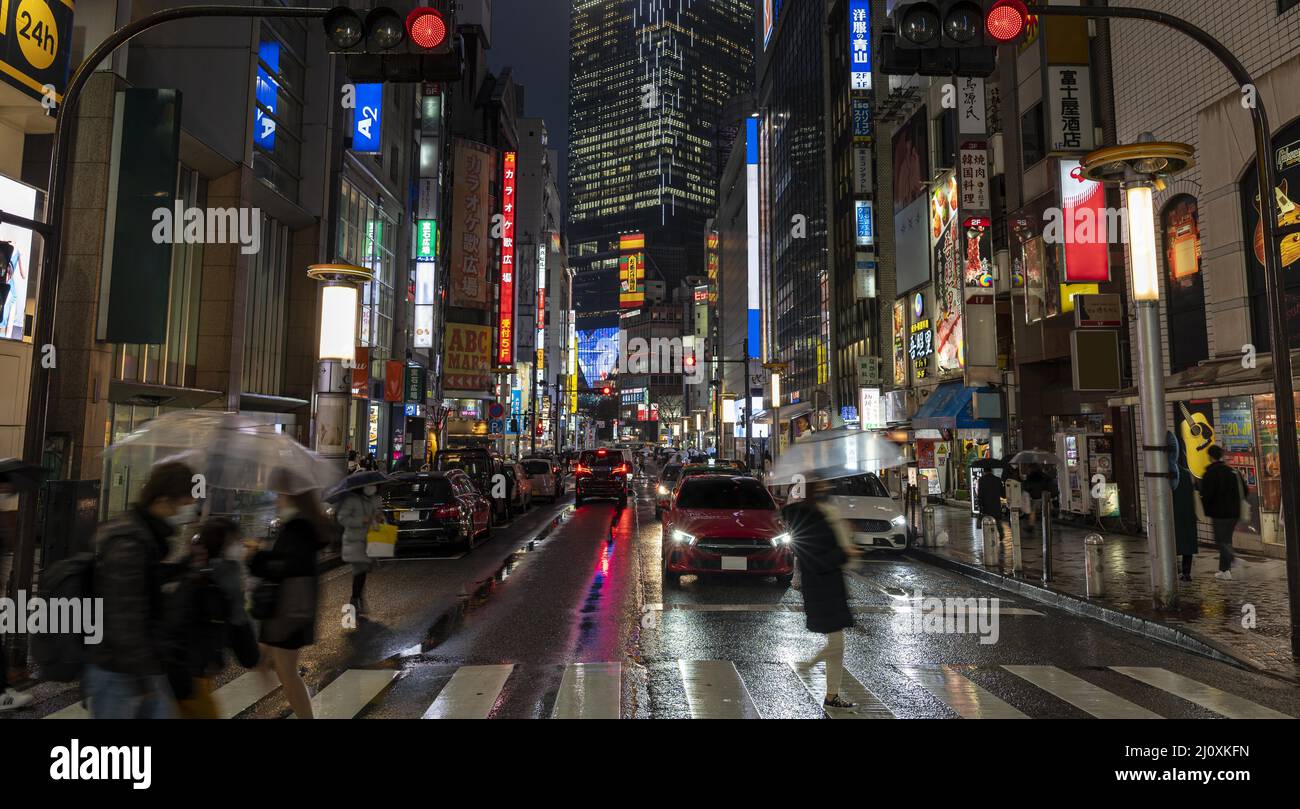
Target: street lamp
337 351
1138 168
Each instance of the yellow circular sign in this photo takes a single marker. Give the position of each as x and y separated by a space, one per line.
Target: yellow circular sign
38 33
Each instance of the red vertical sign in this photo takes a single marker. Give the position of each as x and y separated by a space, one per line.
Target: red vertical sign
506 305
394 375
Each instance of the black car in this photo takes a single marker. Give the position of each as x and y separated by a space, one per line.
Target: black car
482 466
601 473
434 509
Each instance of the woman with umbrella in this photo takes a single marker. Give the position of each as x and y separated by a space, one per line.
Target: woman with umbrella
357 497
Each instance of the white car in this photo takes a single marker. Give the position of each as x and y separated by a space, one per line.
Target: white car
875 519
542 474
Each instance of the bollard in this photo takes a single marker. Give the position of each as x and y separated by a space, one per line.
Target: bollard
990 541
927 521
1017 564
1047 537
1093 544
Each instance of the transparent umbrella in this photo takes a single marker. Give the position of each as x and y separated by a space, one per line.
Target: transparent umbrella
1035 456
834 454
230 451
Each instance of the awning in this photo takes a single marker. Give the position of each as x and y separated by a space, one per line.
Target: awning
949 408
787 413
1212 379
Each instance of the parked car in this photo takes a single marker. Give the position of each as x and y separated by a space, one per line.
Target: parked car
519 489
482 466
725 524
433 509
601 473
874 517
543 473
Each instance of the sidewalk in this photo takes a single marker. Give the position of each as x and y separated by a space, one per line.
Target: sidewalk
1209 614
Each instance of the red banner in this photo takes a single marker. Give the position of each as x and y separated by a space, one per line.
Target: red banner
1087 243
394 375
361 373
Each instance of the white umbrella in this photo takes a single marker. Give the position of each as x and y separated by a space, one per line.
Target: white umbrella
1035 456
836 454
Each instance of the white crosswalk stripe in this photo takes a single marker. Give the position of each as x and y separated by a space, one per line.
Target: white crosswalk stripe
353 690
590 691
471 693
1081 694
966 697
714 690
868 706
1206 696
232 699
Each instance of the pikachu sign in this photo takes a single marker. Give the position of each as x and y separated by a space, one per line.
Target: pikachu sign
35 41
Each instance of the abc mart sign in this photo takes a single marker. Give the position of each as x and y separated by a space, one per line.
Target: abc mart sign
35 44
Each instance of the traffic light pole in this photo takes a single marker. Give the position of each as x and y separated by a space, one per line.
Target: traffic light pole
52 230
1283 387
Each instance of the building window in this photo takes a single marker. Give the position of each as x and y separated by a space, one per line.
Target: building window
1032 138
266 311
1283 6
173 362
278 103
368 237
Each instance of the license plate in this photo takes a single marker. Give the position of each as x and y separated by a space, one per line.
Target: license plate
735 563
409 516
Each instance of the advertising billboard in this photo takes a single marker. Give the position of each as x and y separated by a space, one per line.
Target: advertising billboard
470 251
506 301
18 277
1083 211
468 363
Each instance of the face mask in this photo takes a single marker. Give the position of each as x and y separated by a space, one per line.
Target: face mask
370 490
184 515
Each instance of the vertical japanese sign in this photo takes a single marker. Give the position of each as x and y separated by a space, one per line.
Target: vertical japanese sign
506 303
1069 91
866 228
366 126
860 43
469 246
631 271
974 172
971 115
900 342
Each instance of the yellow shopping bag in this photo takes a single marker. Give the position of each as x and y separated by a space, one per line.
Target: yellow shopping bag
381 541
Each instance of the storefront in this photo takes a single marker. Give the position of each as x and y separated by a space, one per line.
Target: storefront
949 438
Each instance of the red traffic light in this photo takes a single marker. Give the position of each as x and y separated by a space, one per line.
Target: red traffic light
606 390
426 27
1006 20
690 361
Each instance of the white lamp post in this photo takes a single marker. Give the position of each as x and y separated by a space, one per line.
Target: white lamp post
336 352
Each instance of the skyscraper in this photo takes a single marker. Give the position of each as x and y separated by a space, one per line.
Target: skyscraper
648 82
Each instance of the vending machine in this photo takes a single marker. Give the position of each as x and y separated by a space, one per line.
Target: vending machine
1073 476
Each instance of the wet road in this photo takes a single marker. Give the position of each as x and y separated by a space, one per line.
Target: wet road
564 614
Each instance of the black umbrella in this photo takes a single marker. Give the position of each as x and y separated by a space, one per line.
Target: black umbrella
354 481
990 463
19 474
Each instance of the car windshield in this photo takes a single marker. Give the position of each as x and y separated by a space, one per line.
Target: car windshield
728 493
537 467
859 486
591 456
672 472
436 490
473 464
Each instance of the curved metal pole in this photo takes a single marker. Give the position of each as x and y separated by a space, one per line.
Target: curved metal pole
1283 387
48 287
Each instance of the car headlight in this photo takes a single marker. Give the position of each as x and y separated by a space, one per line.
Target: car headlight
683 537
899 521
662 489
781 539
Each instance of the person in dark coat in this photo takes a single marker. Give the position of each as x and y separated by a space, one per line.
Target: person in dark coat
822 548
288 592
1184 507
1221 494
990 492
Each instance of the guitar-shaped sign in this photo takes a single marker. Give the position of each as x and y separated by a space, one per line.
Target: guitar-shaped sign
1288 214
1198 435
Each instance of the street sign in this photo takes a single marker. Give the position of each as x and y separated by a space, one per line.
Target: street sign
496 410
495 427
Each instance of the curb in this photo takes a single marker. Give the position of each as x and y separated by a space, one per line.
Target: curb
1155 630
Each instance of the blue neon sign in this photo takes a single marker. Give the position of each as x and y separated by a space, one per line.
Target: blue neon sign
860 43
267 94
366 118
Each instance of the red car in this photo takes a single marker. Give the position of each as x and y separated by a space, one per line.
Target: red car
725 524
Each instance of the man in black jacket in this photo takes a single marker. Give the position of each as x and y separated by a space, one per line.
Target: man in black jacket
124 677
1221 500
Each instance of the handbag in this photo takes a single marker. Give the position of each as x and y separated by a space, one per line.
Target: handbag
381 541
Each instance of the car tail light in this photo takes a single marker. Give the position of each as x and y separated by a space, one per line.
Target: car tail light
447 512
584 470
621 468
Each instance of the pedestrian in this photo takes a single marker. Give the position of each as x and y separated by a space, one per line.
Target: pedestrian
125 674
1221 496
1184 492
822 547
10 698
285 599
989 492
207 608
358 512
353 463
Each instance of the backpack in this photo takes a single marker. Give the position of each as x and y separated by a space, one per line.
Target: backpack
61 655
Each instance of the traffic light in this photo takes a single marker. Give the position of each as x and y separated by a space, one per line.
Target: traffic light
606 391
949 37
396 42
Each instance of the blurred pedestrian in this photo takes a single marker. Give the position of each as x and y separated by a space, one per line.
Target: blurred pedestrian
1036 482
207 607
1221 495
358 512
1184 491
353 463
10 699
989 492
125 677
822 547
285 599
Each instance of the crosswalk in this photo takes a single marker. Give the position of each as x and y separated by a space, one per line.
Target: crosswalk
716 689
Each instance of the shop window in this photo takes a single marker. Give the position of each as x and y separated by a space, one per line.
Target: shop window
1184 284
1286 195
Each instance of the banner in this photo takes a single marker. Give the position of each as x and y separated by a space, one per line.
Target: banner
394 380
468 358
506 300
470 251
1087 245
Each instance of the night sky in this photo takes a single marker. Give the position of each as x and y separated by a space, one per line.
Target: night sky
532 36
